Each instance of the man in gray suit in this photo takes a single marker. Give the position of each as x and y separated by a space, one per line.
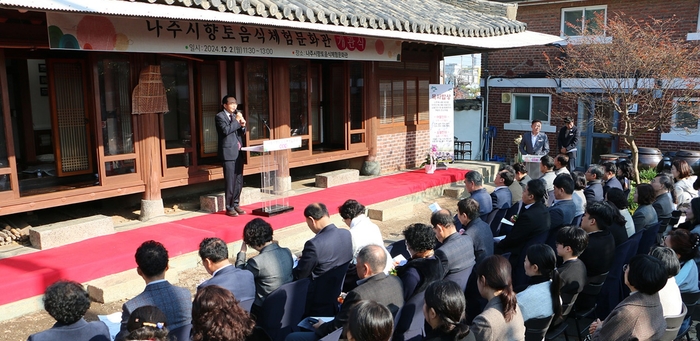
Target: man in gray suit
230 128
456 252
175 302
272 267
535 142
214 255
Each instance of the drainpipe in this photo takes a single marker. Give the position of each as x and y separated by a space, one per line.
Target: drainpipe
485 112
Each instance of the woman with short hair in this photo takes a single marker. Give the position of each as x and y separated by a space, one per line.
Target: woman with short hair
423 268
369 321
645 215
216 316
683 187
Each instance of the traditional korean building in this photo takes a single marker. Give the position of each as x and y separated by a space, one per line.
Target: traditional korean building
80 121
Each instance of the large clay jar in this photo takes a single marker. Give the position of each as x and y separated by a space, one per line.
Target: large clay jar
649 157
608 157
692 157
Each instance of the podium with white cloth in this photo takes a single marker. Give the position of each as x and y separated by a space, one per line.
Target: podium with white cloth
532 164
275 179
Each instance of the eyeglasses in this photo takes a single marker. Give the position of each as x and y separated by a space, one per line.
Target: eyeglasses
625 267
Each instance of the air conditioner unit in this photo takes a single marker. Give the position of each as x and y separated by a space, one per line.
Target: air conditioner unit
506 97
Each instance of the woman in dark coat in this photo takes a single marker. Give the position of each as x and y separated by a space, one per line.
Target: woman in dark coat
423 268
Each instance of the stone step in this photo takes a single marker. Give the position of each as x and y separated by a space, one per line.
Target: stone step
70 231
391 209
338 177
215 202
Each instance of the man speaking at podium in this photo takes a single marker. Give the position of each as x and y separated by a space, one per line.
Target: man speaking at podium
230 128
535 142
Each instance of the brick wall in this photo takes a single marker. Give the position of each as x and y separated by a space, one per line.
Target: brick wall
403 150
530 62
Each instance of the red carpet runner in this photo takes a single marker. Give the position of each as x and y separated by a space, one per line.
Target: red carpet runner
28 275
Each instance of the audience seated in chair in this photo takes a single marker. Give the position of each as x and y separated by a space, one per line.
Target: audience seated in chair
147 323
216 316
516 190
541 298
692 216
685 244
422 268
571 242
456 252
475 228
501 319
501 197
594 188
579 197
665 198
330 248
474 184
375 285
617 198
521 174
609 178
640 315
369 321
599 254
271 268
670 294
175 302
563 210
67 302
548 175
645 214
532 220
214 255
444 311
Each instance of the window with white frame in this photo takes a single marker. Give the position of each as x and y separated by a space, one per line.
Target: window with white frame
695 35
529 107
686 113
581 19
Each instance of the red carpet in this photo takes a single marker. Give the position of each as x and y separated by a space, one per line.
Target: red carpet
29 274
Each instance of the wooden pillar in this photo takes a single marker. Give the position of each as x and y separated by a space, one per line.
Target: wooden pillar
151 151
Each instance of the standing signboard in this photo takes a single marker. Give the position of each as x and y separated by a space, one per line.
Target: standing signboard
442 121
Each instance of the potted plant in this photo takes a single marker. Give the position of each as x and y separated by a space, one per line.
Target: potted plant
436 160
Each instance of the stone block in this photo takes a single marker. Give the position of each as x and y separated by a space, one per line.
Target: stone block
70 231
215 202
391 209
338 177
453 192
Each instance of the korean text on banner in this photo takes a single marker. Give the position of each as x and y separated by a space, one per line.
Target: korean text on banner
442 120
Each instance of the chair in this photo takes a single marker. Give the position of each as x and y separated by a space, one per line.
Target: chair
613 292
590 291
555 330
180 333
550 198
648 239
577 220
519 276
410 320
334 336
690 300
673 324
496 216
322 297
535 329
284 309
247 304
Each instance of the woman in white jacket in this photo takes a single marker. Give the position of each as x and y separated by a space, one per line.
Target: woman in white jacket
682 173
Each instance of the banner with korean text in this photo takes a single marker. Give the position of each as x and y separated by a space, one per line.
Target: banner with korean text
442 121
104 33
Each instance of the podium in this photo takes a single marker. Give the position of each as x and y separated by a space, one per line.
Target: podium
275 180
532 164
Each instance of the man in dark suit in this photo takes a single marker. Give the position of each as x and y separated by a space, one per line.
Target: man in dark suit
272 267
214 255
532 220
175 302
330 248
610 177
67 302
599 254
563 210
456 252
478 230
374 285
535 142
594 190
230 128
501 197
567 141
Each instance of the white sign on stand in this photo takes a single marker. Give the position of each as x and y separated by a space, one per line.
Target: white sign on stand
442 120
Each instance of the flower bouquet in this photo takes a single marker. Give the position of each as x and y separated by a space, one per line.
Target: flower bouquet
519 157
436 160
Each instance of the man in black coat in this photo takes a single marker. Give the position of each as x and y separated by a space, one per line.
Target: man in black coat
599 254
230 128
567 141
456 252
532 220
610 177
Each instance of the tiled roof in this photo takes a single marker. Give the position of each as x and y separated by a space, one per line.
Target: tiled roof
458 18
